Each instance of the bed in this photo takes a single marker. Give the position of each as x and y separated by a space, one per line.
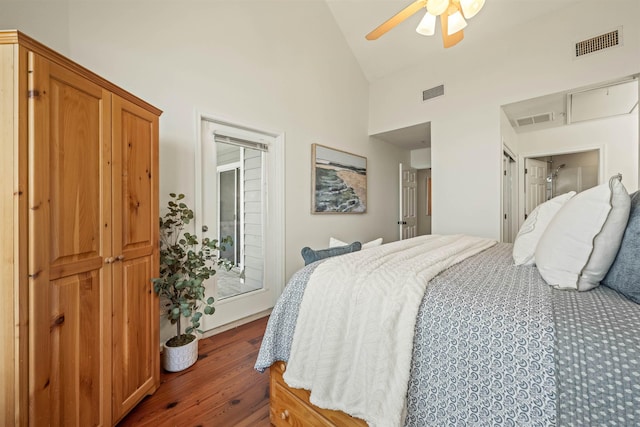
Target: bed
491 344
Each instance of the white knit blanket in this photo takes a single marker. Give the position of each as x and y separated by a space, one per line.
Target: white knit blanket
354 336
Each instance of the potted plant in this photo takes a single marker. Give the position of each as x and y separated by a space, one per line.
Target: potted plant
185 263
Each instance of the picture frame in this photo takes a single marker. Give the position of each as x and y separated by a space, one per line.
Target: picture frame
338 181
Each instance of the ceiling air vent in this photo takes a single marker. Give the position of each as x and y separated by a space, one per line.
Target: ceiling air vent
597 43
532 120
433 92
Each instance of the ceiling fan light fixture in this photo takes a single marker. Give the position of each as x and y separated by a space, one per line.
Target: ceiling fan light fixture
456 23
470 8
427 26
437 7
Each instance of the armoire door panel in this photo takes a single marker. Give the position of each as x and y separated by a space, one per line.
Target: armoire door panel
135 128
69 234
75 197
78 380
135 243
134 316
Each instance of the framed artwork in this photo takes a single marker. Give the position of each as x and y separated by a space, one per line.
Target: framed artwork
338 181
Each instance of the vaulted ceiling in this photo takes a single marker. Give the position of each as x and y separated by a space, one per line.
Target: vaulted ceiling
402 47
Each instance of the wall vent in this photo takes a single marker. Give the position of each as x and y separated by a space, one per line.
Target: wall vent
433 92
532 120
598 43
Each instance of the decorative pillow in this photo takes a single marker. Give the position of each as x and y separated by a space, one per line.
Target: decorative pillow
333 243
524 248
309 255
581 241
624 274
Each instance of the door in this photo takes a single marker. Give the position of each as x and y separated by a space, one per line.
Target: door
535 181
69 242
408 202
136 365
230 216
508 205
252 193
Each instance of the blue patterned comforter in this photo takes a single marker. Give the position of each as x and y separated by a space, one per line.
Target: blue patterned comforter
494 345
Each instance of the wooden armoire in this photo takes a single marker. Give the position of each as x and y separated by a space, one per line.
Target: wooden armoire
78 242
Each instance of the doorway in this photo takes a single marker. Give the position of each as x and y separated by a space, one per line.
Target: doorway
414 209
424 201
548 176
240 193
509 196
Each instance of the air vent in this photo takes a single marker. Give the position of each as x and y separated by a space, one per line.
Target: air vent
433 92
532 120
598 43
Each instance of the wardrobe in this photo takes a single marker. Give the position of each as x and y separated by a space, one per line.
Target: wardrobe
78 242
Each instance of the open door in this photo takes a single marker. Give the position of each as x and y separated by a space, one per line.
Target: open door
535 181
408 212
508 200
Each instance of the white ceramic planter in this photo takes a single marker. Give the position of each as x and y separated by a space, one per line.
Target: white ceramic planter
176 359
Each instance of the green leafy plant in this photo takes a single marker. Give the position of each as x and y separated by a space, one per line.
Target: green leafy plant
185 263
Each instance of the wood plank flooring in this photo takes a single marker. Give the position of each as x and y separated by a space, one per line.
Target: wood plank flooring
221 390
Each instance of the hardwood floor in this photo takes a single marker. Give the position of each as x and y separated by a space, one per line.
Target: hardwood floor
222 389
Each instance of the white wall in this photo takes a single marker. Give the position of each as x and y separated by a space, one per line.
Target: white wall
509 135
46 21
278 66
533 60
421 158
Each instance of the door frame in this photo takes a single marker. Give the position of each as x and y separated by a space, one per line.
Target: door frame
240 309
532 154
512 214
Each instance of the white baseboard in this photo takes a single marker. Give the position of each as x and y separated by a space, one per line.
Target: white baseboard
235 324
231 325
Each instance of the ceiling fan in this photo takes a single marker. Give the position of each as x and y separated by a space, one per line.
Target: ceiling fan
452 18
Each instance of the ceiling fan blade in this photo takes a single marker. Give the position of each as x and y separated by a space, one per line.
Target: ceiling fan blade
396 19
449 40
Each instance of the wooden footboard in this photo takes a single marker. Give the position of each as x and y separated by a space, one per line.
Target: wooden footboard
291 407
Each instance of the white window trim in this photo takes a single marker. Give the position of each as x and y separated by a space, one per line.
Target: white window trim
274 224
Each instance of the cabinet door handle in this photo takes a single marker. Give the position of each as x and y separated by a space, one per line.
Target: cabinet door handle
119 257
108 260
285 414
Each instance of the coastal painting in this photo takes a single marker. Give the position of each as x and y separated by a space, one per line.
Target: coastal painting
339 181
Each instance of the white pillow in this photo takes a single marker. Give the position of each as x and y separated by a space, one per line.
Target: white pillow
524 248
333 242
581 242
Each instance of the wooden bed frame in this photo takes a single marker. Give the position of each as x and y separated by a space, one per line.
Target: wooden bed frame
291 407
